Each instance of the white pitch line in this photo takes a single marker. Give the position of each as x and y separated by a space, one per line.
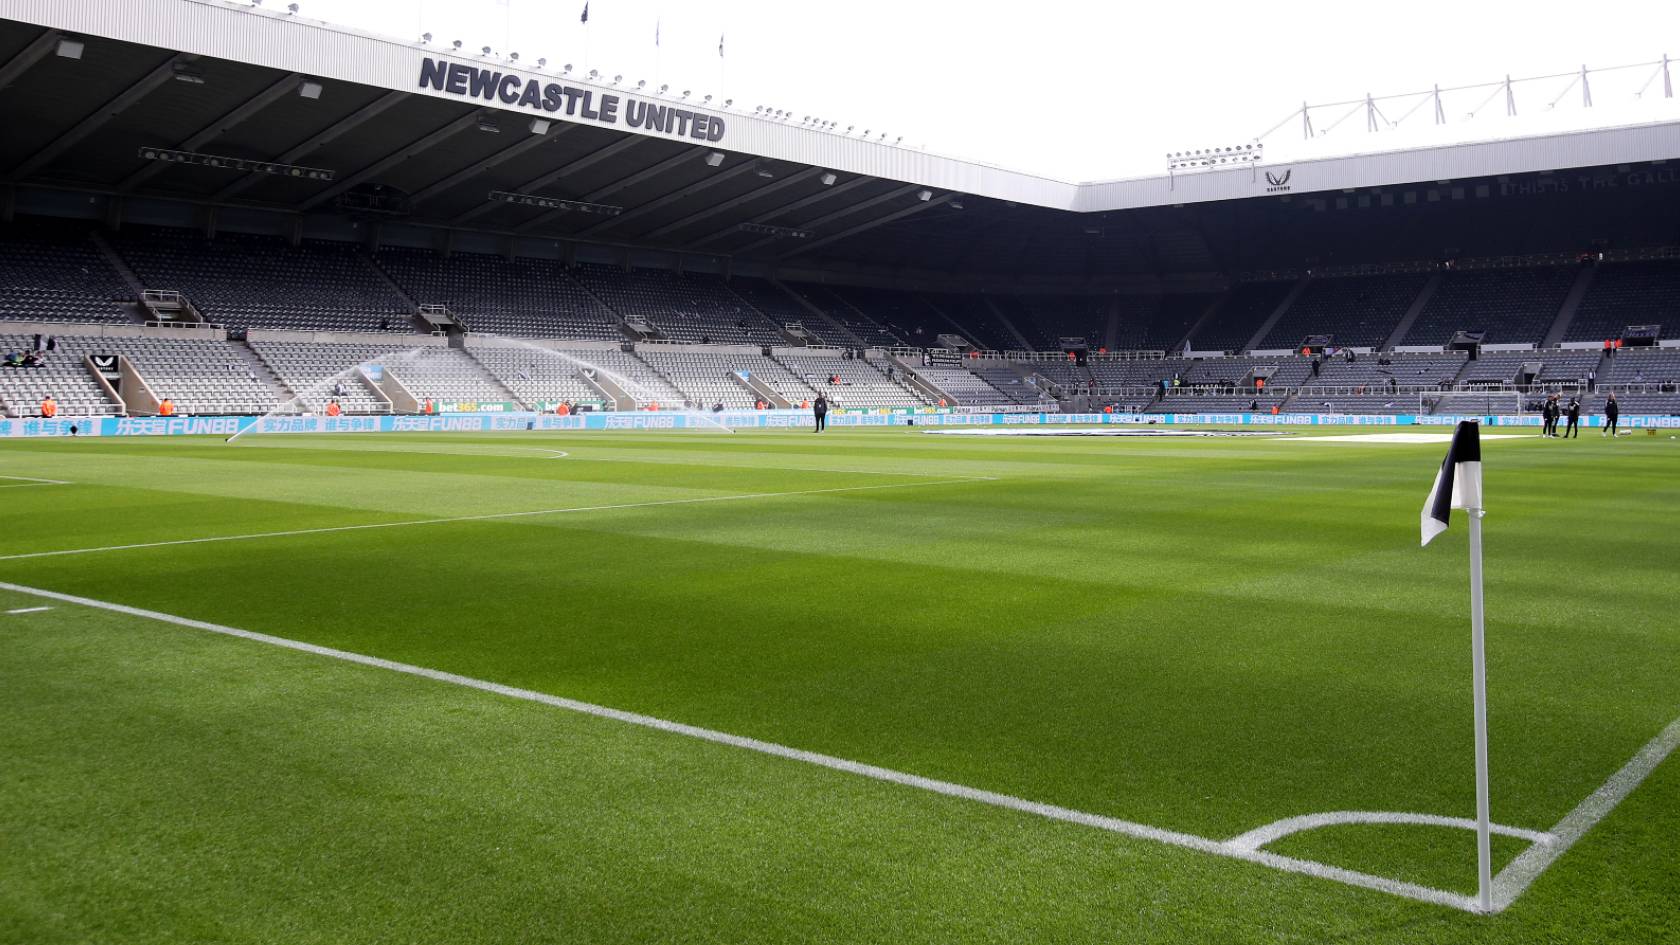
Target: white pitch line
28 610
488 517
23 482
1273 832
1521 872
874 772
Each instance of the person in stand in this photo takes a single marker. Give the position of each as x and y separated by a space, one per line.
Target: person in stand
52 343
14 359
562 409
333 409
36 344
1612 412
49 407
819 411
166 407
1574 419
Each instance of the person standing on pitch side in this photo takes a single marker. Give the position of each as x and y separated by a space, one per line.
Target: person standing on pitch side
1612 411
1574 419
819 410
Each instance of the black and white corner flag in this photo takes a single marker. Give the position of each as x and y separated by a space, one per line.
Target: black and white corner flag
1459 483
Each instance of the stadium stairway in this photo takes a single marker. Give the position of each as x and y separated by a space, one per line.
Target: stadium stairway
1413 311
264 373
118 265
997 313
1571 305
1277 314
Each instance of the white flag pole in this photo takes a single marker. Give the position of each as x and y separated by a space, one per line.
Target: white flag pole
1484 846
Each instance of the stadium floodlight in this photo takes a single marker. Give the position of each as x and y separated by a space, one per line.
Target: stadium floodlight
188 73
425 37
641 84
728 102
924 195
457 44
513 57
594 74
555 203
617 79
769 230
68 48
849 128
488 124
174 156
955 203
828 178
714 159
566 69
707 100
291 8
309 88
484 51
540 126
685 93
901 141
763 171
542 61
664 88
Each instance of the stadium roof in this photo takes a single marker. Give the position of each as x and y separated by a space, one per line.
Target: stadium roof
444 130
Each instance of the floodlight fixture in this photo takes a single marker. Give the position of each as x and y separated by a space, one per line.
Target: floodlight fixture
291 8
488 124
714 159
68 48
924 195
309 88
540 126
555 203
456 44
425 37
188 73
828 178
196 158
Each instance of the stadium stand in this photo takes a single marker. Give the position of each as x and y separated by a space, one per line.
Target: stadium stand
533 298
252 281
64 375
975 320
856 327
1355 310
1046 319
536 377
1511 368
1513 305
1240 316
1642 292
1172 320
53 272
859 382
317 373
200 375
705 377
967 388
1008 382
782 308
905 316
1641 366
686 307
1384 371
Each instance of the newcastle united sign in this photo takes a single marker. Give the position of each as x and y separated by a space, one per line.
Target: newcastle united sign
454 78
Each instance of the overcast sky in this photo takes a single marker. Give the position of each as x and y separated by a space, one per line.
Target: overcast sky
1088 90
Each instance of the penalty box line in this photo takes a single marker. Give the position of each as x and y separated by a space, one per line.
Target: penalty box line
1228 849
489 517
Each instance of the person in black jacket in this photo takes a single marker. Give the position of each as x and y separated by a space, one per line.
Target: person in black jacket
1574 419
1546 417
1612 411
819 410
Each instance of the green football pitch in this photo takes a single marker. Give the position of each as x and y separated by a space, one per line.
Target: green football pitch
869 686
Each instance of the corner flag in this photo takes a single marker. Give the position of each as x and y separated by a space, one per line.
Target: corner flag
1459 486
1459 483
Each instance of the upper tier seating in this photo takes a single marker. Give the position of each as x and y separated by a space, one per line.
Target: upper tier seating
54 273
1240 315
1172 321
905 316
853 323
63 375
1512 305
264 282
1646 292
686 307
1008 382
533 298
781 308
1046 319
976 320
1356 310
966 387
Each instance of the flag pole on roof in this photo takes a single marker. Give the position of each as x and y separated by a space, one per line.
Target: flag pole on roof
1459 486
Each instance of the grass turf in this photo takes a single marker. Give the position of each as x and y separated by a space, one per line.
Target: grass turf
1205 636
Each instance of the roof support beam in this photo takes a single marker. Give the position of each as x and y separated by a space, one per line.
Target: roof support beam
506 154
28 56
705 183
208 133
93 122
319 139
629 180
734 202
537 183
918 207
799 204
845 211
418 146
